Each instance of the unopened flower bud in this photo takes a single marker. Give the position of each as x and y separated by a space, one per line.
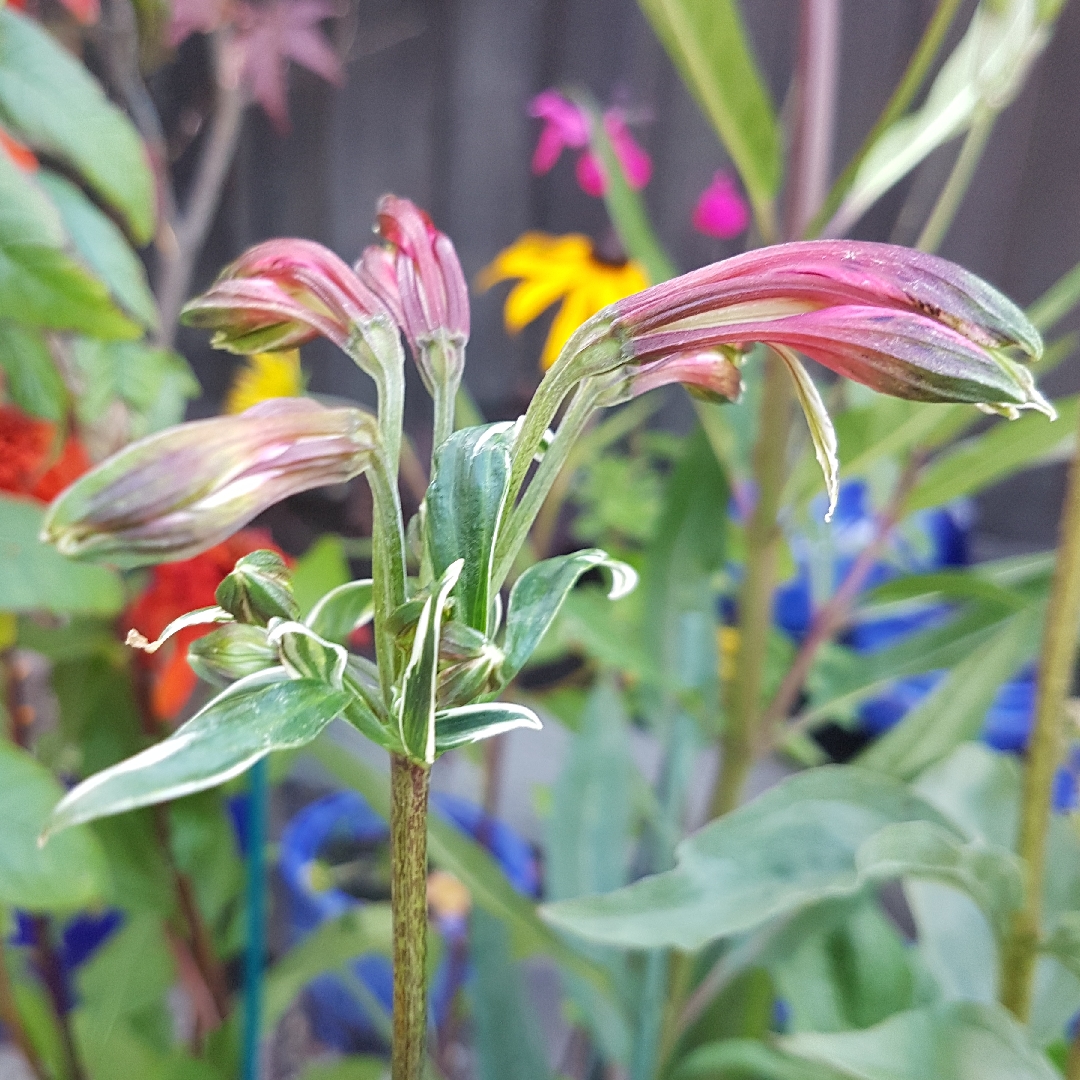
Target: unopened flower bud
426 291
258 589
282 293
182 490
229 653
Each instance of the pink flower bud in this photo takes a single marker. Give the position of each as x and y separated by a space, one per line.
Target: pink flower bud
431 300
565 126
280 294
182 490
900 321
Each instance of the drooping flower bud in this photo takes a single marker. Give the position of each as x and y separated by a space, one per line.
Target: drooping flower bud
258 589
280 294
181 490
230 653
427 292
709 374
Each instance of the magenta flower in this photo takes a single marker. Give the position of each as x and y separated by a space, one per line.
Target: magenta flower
182 490
280 294
567 127
720 210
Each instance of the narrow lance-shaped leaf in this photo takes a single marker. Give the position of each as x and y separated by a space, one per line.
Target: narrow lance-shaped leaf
472 723
465 504
822 433
416 707
539 593
259 714
343 610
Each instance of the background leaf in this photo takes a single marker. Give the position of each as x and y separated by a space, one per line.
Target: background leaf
31 378
36 577
789 848
960 1041
66 877
50 100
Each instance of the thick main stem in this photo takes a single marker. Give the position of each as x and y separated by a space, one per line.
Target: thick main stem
408 898
1044 751
738 741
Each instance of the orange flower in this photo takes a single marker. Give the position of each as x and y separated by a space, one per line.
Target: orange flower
174 589
27 463
18 153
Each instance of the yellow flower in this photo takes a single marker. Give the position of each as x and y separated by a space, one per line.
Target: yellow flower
727 641
265 375
552 268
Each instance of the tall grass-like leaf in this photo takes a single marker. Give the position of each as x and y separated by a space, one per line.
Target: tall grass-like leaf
707 42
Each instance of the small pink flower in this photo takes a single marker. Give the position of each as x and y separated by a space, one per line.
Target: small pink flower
564 127
721 211
636 163
567 127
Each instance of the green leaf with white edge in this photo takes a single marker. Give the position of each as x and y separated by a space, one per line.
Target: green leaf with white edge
538 594
507 1039
31 378
256 715
954 711
102 247
416 706
991 876
465 503
450 849
358 931
986 69
343 610
789 848
707 42
305 655
822 433
65 877
36 577
953 1041
40 283
473 723
153 384
746 1059
49 100
1004 449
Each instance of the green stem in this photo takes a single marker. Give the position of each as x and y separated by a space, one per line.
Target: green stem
963 171
918 68
388 570
739 738
408 898
255 948
1044 751
521 519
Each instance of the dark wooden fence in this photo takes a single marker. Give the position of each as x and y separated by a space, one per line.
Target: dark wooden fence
434 108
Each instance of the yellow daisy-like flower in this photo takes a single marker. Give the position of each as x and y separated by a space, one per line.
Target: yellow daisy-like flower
553 268
265 375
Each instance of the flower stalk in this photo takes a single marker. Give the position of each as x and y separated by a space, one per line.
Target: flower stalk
409 783
1045 747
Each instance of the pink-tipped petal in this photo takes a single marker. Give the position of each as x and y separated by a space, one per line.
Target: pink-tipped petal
635 161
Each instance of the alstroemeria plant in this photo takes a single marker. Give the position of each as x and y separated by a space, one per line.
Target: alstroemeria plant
447 645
